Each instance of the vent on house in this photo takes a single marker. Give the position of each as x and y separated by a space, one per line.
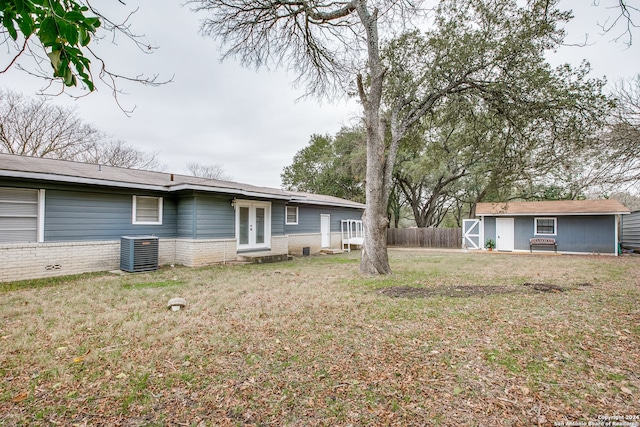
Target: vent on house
138 253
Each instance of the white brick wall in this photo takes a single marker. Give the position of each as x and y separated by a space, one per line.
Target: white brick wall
299 241
198 253
35 260
336 240
166 251
280 245
311 240
21 261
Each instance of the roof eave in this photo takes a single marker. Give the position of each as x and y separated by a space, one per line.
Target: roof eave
166 188
225 190
552 213
324 203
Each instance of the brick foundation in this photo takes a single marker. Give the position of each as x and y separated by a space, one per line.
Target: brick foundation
21 261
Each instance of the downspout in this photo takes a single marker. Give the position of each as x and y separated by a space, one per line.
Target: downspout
40 218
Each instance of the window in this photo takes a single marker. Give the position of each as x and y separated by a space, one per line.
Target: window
147 210
545 226
292 215
21 210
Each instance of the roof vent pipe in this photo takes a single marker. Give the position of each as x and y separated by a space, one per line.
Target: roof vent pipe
171 177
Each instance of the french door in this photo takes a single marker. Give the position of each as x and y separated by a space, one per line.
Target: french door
253 225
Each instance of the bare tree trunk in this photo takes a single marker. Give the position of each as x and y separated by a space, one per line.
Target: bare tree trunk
374 259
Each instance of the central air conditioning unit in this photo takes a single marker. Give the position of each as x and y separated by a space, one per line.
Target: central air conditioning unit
138 253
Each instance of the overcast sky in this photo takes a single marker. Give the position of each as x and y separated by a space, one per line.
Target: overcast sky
252 121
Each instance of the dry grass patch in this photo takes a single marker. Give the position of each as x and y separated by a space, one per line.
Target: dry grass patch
311 342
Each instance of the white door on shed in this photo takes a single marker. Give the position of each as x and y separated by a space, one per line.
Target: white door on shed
504 234
325 230
471 233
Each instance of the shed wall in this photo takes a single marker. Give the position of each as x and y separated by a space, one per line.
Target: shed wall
631 230
489 224
593 234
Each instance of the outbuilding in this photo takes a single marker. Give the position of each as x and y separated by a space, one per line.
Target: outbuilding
563 226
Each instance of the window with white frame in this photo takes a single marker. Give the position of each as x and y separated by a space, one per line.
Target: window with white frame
546 226
21 213
147 210
292 215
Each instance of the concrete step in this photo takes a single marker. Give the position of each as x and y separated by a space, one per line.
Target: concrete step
262 257
331 251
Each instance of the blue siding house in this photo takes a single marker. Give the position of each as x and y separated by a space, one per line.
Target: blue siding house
565 226
60 217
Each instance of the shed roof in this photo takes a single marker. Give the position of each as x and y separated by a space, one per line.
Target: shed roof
552 207
53 170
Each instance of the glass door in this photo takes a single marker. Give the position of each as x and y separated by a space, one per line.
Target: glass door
253 225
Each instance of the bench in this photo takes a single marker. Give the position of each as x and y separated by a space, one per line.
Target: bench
543 241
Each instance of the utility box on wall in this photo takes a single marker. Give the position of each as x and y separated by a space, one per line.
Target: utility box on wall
138 253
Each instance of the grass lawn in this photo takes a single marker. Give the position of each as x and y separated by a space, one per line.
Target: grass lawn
451 339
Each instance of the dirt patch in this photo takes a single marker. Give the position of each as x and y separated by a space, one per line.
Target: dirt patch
445 291
545 287
462 291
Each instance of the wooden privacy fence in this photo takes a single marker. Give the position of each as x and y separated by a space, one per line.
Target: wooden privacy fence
425 237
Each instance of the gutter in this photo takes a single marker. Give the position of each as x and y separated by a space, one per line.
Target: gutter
168 188
322 203
78 180
225 190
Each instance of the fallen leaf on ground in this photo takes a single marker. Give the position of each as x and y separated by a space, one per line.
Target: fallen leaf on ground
20 397
80 359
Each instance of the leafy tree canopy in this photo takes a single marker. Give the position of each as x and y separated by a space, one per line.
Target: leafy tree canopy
64 28
59 34
329 165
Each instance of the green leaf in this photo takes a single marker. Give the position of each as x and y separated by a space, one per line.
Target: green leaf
74 17
19 6
84 36
48 33
92 23
71 34
62 28
87 80
25 23
69 78
58 9
7 22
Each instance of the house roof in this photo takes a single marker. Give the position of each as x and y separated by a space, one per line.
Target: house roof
552 207
53 170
